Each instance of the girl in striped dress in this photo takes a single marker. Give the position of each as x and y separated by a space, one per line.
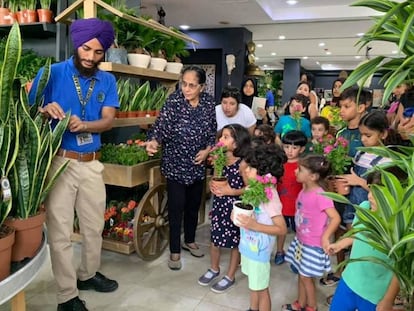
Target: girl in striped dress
316 220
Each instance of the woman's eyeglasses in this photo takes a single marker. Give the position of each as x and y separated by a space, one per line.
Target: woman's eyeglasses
191 86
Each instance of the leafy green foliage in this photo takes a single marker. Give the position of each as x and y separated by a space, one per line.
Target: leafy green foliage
390 229
218 157
394 26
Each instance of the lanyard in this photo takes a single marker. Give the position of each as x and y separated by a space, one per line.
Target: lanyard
83 101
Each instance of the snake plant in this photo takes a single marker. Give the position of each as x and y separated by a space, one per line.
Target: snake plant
395 26
28 143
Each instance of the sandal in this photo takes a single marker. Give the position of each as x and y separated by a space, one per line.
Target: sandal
294 306
196 252
330 280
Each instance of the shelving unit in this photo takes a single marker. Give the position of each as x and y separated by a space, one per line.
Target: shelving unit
33 30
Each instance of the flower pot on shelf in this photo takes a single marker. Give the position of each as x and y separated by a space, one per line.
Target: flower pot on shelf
28 236
30 16
158 63
173 67
116 55
45 15
338 185
240 208
139 60
7 236
5 18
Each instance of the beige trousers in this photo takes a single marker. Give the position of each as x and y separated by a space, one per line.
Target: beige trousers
79 188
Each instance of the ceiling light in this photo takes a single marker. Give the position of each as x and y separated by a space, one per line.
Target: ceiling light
273 54
305 57
322 44
318 63
282 37
291 2
184 27
357 57
360 34
394 52
265 65
328 52
256 58
259 45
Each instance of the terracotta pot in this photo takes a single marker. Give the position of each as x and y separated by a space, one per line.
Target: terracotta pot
141 113
30 16
7 236
5 17
122 114
20 17
131 114
28 236
338 185
45 16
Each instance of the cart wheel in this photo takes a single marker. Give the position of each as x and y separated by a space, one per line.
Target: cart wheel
151 232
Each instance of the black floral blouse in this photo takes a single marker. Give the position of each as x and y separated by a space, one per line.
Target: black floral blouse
182 131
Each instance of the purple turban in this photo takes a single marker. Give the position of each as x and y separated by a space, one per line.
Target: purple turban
84 30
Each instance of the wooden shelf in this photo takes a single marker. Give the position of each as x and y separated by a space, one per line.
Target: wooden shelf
144 73
123 122
33 30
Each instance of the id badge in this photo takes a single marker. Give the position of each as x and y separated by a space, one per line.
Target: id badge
84 139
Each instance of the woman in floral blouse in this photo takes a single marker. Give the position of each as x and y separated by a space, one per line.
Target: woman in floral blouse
185 130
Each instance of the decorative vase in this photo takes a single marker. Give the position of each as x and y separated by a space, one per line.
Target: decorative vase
338 185
28 236
7 236
45 15
158 63
139 60
174 67
116 55
241 209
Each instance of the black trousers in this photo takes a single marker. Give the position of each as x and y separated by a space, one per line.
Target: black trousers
183 200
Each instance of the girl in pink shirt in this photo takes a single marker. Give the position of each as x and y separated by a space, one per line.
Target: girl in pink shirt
316 220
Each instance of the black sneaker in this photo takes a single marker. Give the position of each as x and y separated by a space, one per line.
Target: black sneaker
99 282
75 304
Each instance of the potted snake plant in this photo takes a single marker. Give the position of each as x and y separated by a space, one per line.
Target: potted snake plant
36 143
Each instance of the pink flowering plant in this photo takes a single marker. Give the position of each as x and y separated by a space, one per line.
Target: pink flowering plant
336 151
259 190
218 157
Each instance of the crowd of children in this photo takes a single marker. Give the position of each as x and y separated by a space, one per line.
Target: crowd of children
298 205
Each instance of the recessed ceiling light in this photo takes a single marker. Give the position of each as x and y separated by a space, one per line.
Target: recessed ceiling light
291 2
265 65
273 54
256 58
322 44
360 34
357 57
259 45
184 27
282 37
305 57
328 52
394 52
318 63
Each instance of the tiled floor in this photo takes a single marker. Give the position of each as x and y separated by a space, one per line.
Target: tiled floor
152 286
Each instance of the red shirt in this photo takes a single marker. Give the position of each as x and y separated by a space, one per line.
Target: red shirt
289 189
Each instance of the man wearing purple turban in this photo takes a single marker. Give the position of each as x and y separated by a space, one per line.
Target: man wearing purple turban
90 95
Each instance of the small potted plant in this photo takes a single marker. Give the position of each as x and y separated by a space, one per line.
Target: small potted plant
258 191
218 157
45 14
336 151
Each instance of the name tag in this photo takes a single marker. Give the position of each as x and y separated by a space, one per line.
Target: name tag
84 139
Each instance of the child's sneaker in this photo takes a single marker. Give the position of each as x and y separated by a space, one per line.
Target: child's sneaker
279 258
223 285
208 277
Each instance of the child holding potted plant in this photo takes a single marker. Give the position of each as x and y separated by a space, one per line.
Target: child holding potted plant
257 234
316 220
224 234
